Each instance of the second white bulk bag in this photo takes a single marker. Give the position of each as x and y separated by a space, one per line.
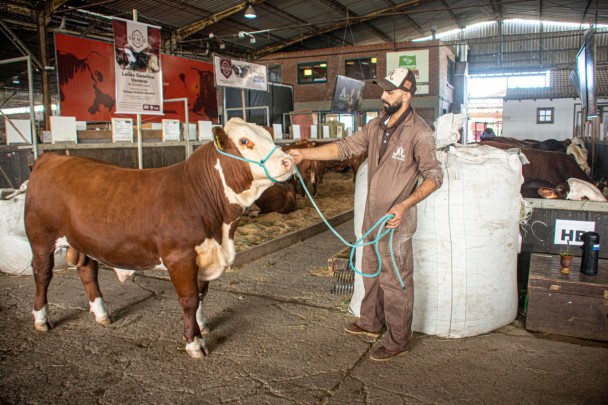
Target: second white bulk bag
466 242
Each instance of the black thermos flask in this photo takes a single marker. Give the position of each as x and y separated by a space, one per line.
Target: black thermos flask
591 252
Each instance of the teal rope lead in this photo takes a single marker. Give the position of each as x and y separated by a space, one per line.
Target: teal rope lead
260 163
382 232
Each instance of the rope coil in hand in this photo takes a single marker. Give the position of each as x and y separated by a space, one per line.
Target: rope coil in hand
381 233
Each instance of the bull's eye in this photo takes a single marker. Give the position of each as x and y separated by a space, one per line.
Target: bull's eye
244 141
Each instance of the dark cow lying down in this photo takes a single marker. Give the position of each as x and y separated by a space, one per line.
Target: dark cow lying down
182 217
573 189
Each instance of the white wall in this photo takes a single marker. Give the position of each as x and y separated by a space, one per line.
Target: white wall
519 119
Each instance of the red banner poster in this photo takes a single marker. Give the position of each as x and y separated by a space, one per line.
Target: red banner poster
85 71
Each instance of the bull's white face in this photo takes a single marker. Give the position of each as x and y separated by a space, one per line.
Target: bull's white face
255 143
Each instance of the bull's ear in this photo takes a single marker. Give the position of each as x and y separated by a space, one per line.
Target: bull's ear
546 192
220 137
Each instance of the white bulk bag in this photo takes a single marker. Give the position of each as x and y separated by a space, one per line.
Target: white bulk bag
446 128
360 197
15 251
465 246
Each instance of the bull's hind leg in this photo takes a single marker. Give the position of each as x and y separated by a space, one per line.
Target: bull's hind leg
203 287
184 279
42 263
87 270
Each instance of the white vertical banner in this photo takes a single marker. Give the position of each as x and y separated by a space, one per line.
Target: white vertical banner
139 79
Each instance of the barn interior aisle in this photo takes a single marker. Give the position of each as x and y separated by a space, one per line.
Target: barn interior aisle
276 337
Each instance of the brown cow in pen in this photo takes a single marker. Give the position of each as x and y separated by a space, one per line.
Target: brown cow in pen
182 217
310 170
545 168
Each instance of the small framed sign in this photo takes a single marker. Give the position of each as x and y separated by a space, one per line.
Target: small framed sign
122 129
205 132
171 130
278 131
63 129
18 131
569 232
296 131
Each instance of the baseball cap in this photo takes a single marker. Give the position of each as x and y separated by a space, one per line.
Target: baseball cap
399 78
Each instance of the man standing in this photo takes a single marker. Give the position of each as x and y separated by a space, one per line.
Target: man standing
401 147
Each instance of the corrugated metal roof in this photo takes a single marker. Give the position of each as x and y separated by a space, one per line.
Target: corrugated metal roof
520 45
289 25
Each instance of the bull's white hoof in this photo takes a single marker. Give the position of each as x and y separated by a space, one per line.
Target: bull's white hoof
42 326
40 319
197 349
104 321
98 307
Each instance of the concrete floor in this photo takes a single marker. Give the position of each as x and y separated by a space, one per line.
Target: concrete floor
276 338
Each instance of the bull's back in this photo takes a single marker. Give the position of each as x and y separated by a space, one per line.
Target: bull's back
75 183
102 210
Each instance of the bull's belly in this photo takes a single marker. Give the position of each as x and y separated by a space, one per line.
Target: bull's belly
127 260
212 258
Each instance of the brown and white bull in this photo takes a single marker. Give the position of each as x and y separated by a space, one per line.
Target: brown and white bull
182 217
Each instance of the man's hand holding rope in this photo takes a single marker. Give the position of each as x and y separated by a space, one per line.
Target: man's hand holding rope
399 210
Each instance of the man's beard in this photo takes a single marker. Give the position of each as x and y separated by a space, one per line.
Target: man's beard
391 109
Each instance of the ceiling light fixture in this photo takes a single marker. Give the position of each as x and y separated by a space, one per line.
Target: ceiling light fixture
250 12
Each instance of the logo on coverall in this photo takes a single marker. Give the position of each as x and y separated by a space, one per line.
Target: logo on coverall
399 154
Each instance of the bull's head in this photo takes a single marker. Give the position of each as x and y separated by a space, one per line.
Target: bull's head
267 163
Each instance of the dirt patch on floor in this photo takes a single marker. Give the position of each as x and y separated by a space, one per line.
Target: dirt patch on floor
335 196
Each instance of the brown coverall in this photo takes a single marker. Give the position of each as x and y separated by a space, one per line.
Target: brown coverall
410 153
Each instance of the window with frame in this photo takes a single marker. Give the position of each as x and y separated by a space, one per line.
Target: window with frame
451 72
360 68
312 72
275 73
545 115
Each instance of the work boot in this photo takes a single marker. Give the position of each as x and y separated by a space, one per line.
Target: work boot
354 329
381 353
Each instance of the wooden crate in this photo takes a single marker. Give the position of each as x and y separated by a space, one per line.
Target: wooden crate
539 234
572 305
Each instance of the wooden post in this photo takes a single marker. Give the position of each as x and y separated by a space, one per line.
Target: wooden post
40 17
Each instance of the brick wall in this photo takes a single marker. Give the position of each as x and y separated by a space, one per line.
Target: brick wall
428 106
336 57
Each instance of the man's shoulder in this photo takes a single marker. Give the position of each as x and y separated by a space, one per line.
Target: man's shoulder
419 123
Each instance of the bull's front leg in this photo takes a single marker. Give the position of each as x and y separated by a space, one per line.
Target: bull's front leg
184 279
203 287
